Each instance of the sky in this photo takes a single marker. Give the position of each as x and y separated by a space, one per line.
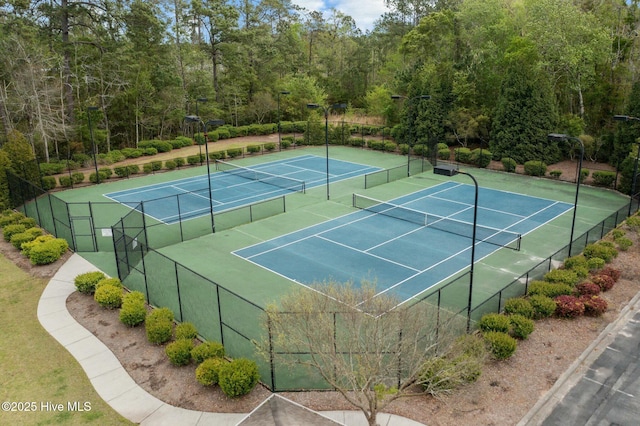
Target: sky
364 12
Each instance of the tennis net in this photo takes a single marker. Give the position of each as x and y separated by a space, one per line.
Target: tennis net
499 237
284 182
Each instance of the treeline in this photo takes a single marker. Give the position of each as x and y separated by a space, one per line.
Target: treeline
498 73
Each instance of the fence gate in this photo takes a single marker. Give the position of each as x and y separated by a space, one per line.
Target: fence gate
84 235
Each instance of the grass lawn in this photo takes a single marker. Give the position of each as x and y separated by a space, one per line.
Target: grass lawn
36 372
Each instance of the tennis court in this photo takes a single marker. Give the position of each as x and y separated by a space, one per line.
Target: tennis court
234 186
409 244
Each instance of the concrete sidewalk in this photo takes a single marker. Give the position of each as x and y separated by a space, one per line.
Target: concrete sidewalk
113 383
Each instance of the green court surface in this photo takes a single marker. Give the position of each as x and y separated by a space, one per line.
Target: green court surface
211 256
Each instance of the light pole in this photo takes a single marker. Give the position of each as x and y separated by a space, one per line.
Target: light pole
201 99
563 137
635 166
326 130
409 144
196 119
282 92
93 144
448 170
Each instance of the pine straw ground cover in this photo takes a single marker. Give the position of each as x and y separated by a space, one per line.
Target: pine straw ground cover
504 393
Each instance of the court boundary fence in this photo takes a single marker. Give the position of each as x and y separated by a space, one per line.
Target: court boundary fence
225 316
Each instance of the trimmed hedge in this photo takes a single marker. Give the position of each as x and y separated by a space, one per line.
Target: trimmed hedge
207 372
133 310
45 249
543 306
519 306
535 168
108 296
207 350
186 330
501 345
179 352
494 322
24 237
509 164
159 325
238 377
86 283
521 327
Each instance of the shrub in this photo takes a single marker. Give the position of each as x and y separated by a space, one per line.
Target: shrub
543 306
186 330
633 222
481 157
611 272
108 296
238 377
106 171
584 174
24 237
86 283
65 181
548 289
179 161
97 178
521 327
109 281
207 372
28 222
147 168
170 164
509 164
603 250
156 165
234 152
562 276
77 177
390 146
159 325
179 352
494 322
519 306
149 151
10 218
535 168
463 155
133 169
48 182
26 248
207 350
444 154
617 233
603 178
588 288
133 310
569 306
501 345
45 252
284 144
555 174
252 149
594 306
605 282
623 243
595 264
443 375
575 261
9 230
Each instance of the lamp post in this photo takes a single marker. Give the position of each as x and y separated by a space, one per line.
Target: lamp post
447 170
635 166
396 97
563 137
196 119
201 99
326 110
282 92
93 144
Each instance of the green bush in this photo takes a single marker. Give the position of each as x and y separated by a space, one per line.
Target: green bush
77 177
109 281
121 171
48 169
65 181
548 289
97 178
584 174
133 169
24 237
633 222
108 296
238 377
463 155
562 276
179 352
390 146
501 345
107 171
519 306
603 178
284 144
521 327
555 174
208 371
481 157
595 264
86 283
234 152
194 159
186 330
164 314
543 306
28 222
179 161
535 168
494 322
252 149
10 218
133 310
156 165
207 350
147 168
48 182
149 151
604 250
509 164
14 228
441 375
159 325
44 252
170 164
623 243
444 154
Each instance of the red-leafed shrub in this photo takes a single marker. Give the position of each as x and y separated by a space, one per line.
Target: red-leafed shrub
604 281
594 306
611 272
569 306
587 288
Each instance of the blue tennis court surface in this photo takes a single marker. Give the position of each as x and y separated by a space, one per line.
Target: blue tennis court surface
403 256
176 200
